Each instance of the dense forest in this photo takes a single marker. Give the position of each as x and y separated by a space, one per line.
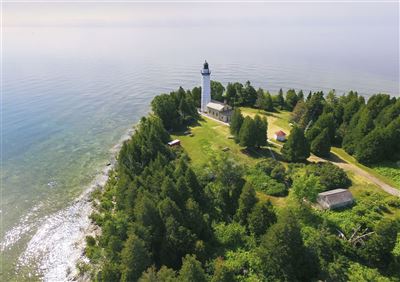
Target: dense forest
162 219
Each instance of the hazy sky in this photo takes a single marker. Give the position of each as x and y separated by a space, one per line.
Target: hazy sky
200 14
365 35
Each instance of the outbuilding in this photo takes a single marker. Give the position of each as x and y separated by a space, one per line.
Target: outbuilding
220 111
280 136
334 199
175 142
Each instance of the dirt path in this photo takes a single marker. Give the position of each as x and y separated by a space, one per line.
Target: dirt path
356 170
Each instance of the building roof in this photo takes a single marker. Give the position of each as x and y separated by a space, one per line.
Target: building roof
205 66
280 133
174 142
217 106
336 196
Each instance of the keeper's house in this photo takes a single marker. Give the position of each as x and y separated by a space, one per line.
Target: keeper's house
335 199
220 111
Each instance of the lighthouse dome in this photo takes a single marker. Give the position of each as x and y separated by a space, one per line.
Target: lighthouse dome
205 66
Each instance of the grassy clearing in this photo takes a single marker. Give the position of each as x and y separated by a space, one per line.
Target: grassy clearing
384 172
211 137
276 121
390 170
370 202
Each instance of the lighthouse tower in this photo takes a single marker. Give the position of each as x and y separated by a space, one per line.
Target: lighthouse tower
205 87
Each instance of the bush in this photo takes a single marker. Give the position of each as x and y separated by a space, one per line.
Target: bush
264 183
330 175
273 168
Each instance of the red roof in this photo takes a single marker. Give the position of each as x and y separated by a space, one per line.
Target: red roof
280 133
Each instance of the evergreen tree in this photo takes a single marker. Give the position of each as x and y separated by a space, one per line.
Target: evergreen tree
247 133
262 216
260 130
191 270
291 99
296 148
282 253
247 200
321 145
298 112
371 148
280 100
217 90
300 96
164 107
249 95
222 273
269 105
236 122
134 259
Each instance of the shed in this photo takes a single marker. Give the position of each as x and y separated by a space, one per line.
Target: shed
280 136
333 199
175 142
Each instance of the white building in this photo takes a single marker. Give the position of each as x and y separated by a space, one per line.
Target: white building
334 199
220 111
205 87
280 136
214 109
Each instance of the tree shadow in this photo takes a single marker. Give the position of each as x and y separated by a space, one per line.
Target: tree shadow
335 158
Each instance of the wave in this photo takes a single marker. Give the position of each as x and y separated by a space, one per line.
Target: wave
59 241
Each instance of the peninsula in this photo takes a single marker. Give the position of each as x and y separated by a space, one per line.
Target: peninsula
237 184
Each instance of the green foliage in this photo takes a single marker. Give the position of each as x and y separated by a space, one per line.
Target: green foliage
231 236
330 175
360 273
262 216
247 133
260 131
296 148
217 91
247 200
135 258
291 99
377 250
282 253
321 145
176 109
191 270
306 187
222 273
298 112
264 183
236 122
273 168
390 170
264 101
158 212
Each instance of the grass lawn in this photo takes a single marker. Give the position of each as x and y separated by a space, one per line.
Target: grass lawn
385 172
276 121
211 137
389 170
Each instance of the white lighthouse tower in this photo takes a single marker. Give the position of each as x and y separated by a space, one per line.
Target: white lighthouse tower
205 87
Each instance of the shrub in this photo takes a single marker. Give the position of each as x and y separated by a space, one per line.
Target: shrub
330 175
264 183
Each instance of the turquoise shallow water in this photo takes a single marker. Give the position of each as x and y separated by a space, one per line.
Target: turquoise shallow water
69 94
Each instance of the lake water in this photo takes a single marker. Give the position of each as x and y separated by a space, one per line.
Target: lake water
70 93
